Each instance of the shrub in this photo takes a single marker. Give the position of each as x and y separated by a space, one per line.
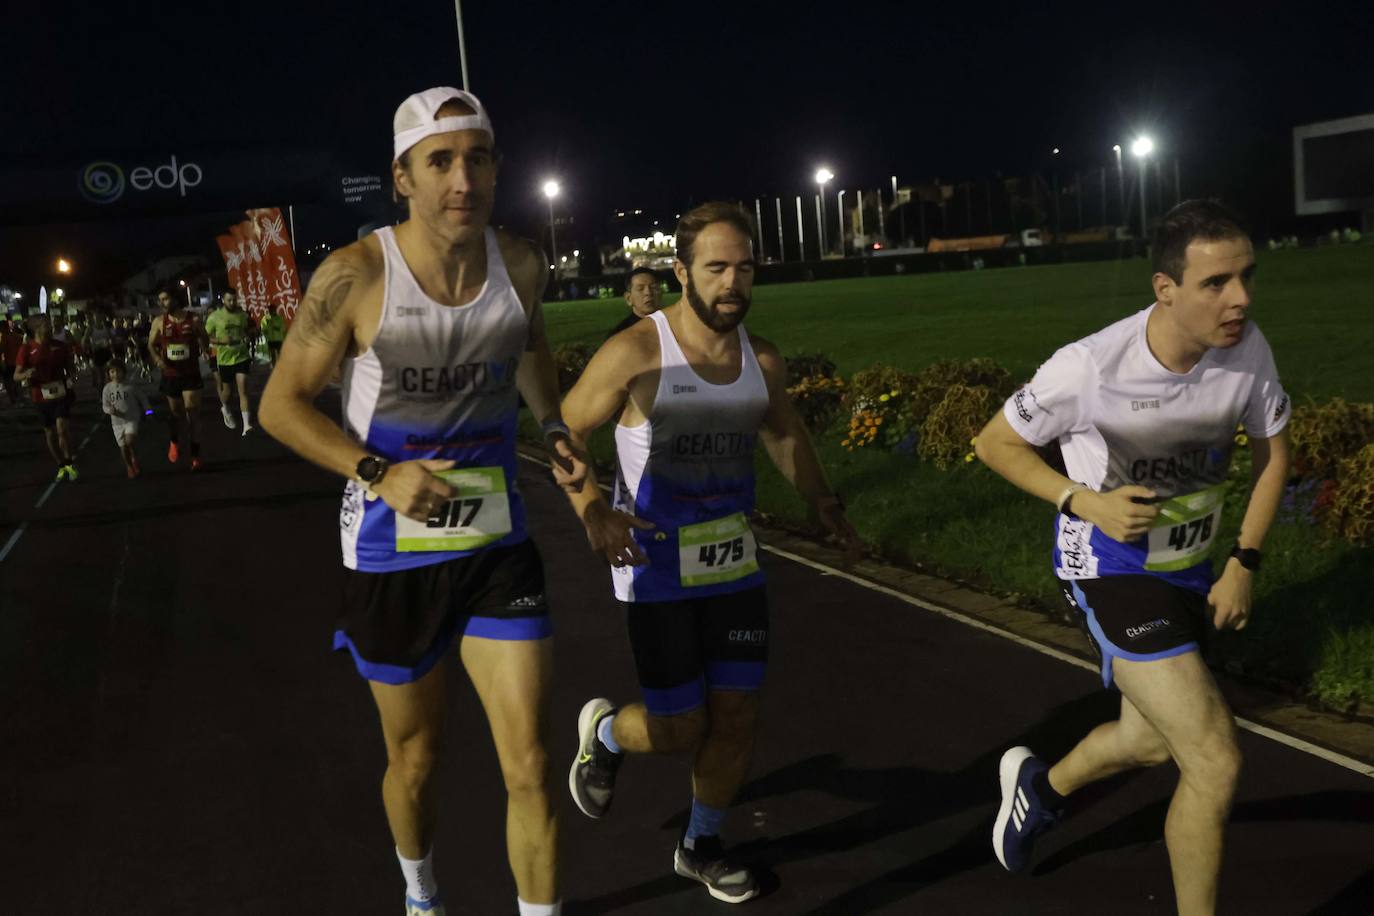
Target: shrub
1323 436
889 408
571 359
935 380
803 366
818 399
879 401
1351 510
948 431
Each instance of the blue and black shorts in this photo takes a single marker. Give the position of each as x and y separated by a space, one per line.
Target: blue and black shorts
398 625
685 648
1137 617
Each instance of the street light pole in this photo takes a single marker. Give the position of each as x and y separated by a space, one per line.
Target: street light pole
782 249
462 43
551 190
801 235
820 230
758 219
1120 186
823 175
1141 149
839 208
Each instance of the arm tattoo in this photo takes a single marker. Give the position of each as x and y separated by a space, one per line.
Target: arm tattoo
317 320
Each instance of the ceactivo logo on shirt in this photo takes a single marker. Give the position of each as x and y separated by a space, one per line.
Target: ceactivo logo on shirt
104 182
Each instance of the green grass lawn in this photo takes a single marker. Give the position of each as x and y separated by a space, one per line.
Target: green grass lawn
1316 307
1313 626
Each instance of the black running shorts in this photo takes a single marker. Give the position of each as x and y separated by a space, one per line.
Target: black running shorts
228 372
174 385
1139 618
52 411
684 648
398 625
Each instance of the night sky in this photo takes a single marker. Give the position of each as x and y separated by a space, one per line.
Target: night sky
654 105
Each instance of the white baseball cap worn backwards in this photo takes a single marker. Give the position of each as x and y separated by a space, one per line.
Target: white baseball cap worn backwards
415 118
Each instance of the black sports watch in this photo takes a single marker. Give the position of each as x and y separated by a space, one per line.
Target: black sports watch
372 469
1249 557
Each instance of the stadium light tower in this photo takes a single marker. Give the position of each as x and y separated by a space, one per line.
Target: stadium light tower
823 175
1141 148
551 190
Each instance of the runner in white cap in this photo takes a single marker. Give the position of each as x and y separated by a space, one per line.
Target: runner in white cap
437 324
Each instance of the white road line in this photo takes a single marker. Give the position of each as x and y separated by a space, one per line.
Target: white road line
1350 763
46 493
1297 744
14 539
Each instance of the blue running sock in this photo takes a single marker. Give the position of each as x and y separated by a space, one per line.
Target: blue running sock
603 734
705 821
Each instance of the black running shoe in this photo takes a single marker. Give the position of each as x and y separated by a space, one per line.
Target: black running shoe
592 777
707 863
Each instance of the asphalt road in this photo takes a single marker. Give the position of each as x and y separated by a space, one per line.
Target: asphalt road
176 736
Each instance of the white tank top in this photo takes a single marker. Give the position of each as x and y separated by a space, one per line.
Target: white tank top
437 382
689 469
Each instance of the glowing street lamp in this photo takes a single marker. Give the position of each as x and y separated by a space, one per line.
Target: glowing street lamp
64 266
1141 148
551 189
823 175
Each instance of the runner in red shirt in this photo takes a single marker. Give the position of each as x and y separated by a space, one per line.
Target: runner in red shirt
176 341
48 367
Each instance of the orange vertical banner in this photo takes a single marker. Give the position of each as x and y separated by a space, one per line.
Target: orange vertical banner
282 284
233 259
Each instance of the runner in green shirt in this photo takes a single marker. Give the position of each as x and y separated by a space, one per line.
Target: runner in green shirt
228 331
273 329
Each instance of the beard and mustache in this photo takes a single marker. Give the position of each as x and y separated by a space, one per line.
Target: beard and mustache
715 320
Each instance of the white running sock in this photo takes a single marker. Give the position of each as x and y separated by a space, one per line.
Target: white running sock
419 874
540 909
247 419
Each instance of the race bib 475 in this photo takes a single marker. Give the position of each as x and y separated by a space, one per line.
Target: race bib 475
717 551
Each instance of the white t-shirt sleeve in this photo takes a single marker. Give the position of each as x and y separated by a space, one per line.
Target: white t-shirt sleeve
107 398
1057 401
1269 408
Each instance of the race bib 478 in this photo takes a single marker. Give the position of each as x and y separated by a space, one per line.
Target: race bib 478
1183 533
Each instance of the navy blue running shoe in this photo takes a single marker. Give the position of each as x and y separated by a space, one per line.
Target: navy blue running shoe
1022 816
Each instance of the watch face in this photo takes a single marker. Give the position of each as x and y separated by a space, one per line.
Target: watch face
367 469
